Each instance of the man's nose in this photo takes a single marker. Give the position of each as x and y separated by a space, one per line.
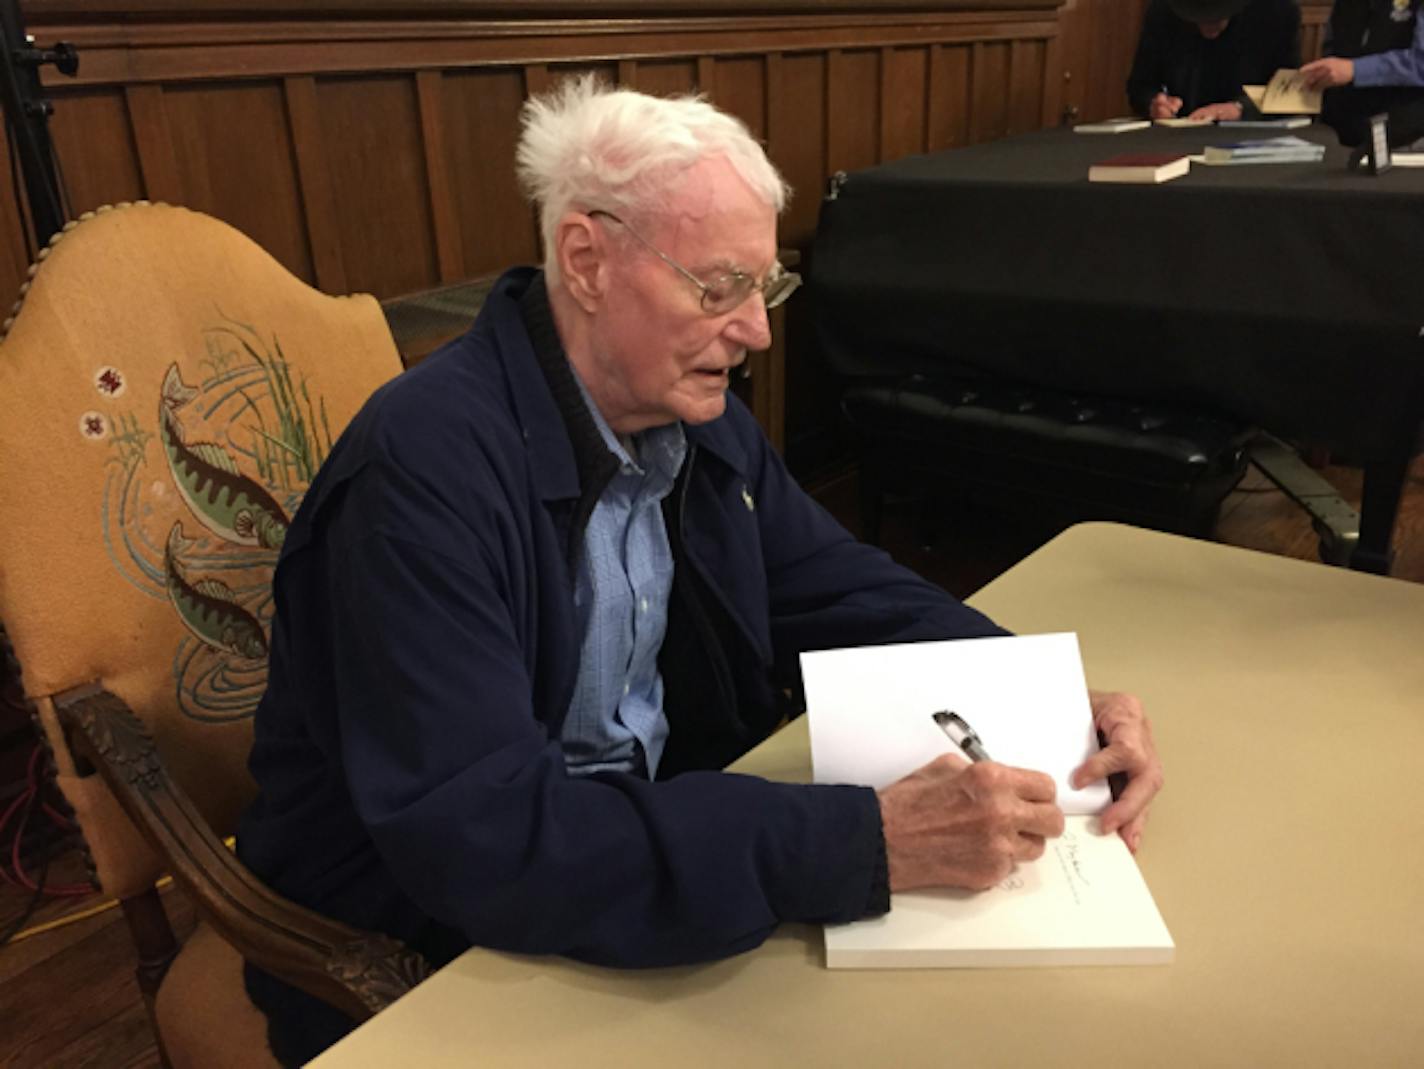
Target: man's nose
749 326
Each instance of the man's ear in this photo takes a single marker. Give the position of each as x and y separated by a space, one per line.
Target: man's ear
583 266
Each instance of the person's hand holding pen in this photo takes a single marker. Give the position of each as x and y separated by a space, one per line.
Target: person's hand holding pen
1164 105
1127 749
956 824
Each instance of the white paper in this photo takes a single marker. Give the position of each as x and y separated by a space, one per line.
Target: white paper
1084 902
871 709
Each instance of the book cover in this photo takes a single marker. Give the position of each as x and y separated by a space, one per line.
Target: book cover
1287 149
1084 902
1146 167
1287 93
1112 126
1291 122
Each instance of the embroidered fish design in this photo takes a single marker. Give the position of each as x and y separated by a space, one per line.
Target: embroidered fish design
228 503
209 609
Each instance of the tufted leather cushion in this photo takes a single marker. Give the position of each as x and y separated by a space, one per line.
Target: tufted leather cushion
1115 457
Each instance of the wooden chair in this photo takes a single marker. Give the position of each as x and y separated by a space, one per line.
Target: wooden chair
167 391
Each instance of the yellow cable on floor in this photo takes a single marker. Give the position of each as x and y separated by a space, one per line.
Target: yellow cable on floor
92 911
75 918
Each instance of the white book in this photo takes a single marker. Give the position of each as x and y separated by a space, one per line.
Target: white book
1084 902
1112 126
1293 122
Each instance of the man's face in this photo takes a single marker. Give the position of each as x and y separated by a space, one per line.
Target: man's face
1213 29
657 356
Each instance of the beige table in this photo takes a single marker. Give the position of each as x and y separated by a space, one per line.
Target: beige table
1288 702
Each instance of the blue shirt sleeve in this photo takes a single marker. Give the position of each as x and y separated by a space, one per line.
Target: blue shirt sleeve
1397 67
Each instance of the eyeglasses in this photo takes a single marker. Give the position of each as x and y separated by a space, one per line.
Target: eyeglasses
725 292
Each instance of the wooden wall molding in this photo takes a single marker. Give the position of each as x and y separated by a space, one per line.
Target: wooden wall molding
129 54
40 11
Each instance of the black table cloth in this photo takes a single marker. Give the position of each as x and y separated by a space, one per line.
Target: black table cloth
1290 296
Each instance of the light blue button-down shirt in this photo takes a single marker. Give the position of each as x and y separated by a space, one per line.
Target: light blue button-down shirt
1398 66
615 720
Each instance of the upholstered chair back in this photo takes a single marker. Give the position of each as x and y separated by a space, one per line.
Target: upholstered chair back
167 391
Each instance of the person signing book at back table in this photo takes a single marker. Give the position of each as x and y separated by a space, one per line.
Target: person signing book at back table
1194 56
1374 63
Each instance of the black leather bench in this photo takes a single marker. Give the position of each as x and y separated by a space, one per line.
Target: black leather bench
1091 457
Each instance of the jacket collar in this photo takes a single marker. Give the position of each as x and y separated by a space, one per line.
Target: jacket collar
568 458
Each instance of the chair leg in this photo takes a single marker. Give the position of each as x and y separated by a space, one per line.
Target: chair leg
153 939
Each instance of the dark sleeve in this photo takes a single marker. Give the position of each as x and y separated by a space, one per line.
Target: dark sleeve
1286 54
1149 64
827 590
467 799
1275 45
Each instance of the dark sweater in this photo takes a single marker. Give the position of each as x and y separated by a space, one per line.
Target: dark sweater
1171 52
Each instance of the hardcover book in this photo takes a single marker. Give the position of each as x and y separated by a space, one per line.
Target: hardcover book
1083 902
1140 167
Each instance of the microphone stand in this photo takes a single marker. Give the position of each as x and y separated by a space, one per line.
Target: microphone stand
27 115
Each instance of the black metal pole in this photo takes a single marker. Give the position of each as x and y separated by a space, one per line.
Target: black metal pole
27 117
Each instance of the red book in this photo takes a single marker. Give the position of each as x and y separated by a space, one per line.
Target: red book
1146 167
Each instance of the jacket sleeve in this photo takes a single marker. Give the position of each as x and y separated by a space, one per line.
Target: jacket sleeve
827 589
466 796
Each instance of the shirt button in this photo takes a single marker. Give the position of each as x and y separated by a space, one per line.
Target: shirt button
643 605
625 689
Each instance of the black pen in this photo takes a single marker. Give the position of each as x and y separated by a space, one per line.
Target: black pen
961 734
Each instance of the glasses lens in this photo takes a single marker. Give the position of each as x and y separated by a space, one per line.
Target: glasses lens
780 288
725 293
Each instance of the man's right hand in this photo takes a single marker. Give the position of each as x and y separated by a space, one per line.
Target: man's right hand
1164 107
953 824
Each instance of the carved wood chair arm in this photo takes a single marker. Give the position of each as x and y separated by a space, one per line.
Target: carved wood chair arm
358 972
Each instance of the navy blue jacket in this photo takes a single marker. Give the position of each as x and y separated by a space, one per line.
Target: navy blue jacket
424 652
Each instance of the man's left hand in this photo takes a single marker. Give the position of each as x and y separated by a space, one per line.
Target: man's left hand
1129 749
1329 72
1212 112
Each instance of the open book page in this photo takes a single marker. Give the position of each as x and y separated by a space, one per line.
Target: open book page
1083 902
1287 94
1256 94
871 709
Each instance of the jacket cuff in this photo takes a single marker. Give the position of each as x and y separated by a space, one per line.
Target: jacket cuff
878 901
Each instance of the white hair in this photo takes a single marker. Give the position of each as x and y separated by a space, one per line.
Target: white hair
586 145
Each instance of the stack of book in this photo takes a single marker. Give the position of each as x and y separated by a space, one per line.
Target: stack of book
1288 149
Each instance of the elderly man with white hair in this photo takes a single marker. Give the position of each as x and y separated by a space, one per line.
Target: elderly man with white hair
554 578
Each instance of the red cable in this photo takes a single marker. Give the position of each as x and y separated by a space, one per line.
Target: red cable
26 798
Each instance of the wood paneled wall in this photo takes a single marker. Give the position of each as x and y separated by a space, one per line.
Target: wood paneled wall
368 145
1313 16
